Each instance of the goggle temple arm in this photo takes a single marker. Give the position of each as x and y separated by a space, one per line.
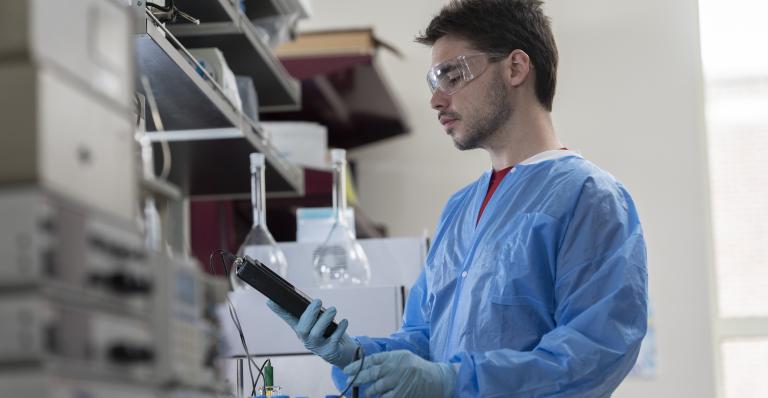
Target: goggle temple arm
466 71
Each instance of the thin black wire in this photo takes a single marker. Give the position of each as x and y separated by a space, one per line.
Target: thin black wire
227 270
261 370
236 320
362 362
167 8
174 11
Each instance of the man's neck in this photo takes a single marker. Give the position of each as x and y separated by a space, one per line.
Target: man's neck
529 133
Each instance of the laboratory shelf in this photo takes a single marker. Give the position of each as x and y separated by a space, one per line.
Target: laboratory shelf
185 99
210 138
208 10
343 87
265 8
216 163
246 54
227 10
347 94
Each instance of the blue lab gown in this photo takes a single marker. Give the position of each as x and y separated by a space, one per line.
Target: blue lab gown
545 297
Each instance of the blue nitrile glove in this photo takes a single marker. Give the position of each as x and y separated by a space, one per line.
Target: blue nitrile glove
338 349
403 374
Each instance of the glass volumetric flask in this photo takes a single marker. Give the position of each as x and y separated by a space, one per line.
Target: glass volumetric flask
259 243
340 260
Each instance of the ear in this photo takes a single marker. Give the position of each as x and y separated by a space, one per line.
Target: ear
518 67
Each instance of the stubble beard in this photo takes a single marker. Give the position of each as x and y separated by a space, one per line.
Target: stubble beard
485 124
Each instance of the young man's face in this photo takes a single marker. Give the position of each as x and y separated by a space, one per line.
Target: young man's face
479 108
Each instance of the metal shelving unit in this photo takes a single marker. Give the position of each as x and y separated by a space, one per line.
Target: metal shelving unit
343 87
226 10
261 8
246 54
217 164
209 136
185 99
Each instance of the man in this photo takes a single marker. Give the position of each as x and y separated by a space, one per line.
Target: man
535 284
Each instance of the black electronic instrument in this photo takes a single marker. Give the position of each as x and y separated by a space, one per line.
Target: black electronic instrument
277 289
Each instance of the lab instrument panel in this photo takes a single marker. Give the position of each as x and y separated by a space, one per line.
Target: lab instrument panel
187 333
51 241
83 304
85 309
76 294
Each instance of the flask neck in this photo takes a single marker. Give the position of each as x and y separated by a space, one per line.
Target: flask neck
340 191
258 197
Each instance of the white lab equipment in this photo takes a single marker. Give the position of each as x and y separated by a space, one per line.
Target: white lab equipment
212 60
301 143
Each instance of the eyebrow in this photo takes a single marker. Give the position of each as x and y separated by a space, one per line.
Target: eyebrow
451 66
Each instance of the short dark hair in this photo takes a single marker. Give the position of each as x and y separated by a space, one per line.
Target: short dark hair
500 27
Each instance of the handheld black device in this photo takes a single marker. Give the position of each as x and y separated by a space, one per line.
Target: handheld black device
277 289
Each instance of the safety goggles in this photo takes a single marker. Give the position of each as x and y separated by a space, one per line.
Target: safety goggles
452 75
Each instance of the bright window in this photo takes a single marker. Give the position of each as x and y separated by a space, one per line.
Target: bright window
738 153
734 34
745 364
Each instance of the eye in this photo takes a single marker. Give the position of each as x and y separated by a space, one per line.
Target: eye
451 79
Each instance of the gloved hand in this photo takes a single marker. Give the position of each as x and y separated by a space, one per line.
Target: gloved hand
403 374
338 349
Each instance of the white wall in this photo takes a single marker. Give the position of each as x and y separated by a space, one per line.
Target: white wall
630 98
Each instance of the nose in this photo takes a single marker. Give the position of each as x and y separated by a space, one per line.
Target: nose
439 100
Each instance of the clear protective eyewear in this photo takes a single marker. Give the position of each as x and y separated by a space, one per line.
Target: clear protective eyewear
452 75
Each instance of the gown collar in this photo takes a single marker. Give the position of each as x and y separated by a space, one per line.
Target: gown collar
549 155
